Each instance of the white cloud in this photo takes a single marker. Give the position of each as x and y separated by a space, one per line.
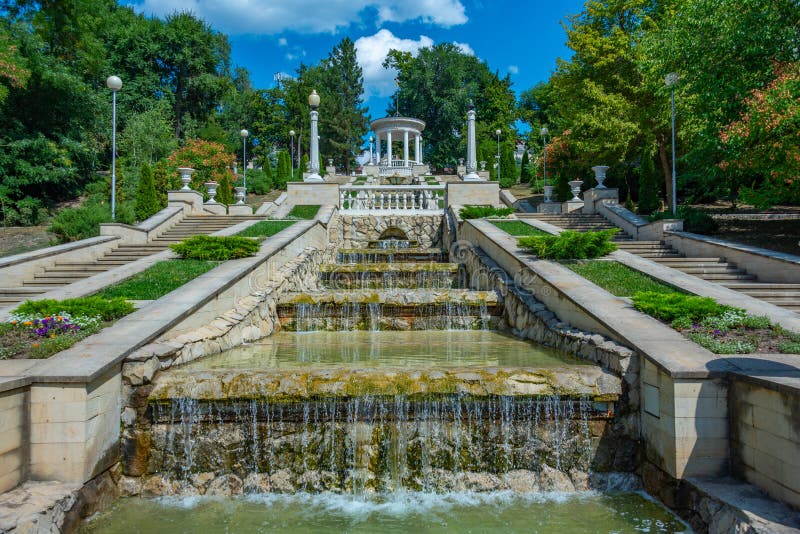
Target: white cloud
306 16
283 42
371 51
465 48
513 69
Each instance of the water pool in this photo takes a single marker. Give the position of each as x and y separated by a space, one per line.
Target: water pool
419 349
499 512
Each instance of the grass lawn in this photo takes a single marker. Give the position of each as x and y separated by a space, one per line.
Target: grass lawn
307 212
265 228
518 228
158 280
616 278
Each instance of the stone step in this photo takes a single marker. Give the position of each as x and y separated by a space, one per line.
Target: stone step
693 260
77 267
115 261
49 282
657 256
714 277
128 253
719 269
635 245
127 258
50 275
760 285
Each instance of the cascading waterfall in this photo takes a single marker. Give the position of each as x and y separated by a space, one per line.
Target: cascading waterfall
368 443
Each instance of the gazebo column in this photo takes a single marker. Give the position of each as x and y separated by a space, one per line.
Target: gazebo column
378 147
389 147
419 143
405 148
416 148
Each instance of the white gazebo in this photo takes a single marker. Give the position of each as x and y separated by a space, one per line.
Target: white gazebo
389 130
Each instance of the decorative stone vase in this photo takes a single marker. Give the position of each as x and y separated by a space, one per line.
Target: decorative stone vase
461 161
483 166
600 175
186 177
330 162
239 195
575 187
211 187
548 193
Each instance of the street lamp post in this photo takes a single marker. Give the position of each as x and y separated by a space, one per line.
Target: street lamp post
244 134
497 133
671 80
313 102
544 133
291 134
115 84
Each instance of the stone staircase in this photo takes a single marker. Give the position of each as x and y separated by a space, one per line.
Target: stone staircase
65 273
715 270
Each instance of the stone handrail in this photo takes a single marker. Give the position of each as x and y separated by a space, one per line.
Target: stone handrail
400 170
391 199
634 225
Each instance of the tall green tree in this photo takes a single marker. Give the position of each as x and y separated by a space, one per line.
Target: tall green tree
147 202
346 120
648 185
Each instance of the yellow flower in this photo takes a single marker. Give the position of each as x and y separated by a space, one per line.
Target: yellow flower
52 336
59 317
35 345
28 323
13 322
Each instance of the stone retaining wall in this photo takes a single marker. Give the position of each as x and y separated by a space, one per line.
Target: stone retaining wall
356 231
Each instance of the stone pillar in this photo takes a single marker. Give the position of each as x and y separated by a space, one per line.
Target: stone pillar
419 156
314 149
389 148
472 155
405 148
416 148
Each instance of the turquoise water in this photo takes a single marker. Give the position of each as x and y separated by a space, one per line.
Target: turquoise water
416 513
388 349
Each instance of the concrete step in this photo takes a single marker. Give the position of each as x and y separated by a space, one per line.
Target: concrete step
127 258
77 267
115 261
659 255
55 282
635 245
760 286
694 260
719 269
714 277
75 275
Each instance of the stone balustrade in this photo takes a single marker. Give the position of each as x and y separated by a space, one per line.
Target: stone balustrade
392 199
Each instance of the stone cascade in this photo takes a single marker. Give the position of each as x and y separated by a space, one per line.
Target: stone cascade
390 285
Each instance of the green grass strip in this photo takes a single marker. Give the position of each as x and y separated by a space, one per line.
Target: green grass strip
306 212
159 279
617 279
518 228
265 228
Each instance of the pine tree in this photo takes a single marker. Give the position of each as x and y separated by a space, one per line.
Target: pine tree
224 190
284 171
525 170
508 167
147 202
648 186
162 182
119 179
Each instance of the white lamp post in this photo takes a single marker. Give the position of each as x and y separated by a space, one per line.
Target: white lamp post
244 134
497 133
115 84
291 135
671 80
313 102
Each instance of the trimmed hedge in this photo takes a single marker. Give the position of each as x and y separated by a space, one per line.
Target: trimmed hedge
105 309
480 212
671 306
571 245
214 248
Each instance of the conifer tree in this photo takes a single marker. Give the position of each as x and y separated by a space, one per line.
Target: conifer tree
648 186
525 170
147 202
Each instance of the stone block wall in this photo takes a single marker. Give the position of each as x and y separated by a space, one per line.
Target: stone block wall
765 439
357 231
13 446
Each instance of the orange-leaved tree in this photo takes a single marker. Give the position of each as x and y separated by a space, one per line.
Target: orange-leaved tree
210 161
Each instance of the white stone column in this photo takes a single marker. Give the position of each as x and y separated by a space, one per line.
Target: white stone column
419 156
416 148
405 148
472 164
314 149
389 148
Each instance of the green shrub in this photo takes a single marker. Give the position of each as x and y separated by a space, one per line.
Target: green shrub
571 245
694 220
301 211
480 212
105 309
670 306
789 347
682 323
213 248
258 182
757 322
648 185
73 224
723 346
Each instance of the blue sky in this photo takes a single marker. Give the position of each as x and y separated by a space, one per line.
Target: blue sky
521 37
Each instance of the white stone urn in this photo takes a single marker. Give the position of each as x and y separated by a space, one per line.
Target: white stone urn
483 166
211 187
239 195
600 175
575 187
548 193
186 177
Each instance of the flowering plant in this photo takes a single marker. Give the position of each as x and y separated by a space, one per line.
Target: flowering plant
53 325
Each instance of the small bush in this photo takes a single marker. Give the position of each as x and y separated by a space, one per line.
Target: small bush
74 224
480 212
571 245
670 306
105 309
258 182
682 323
790 347
723 346
694 220
212 248
757 322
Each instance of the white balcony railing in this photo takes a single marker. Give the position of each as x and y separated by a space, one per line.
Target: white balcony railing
392 199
